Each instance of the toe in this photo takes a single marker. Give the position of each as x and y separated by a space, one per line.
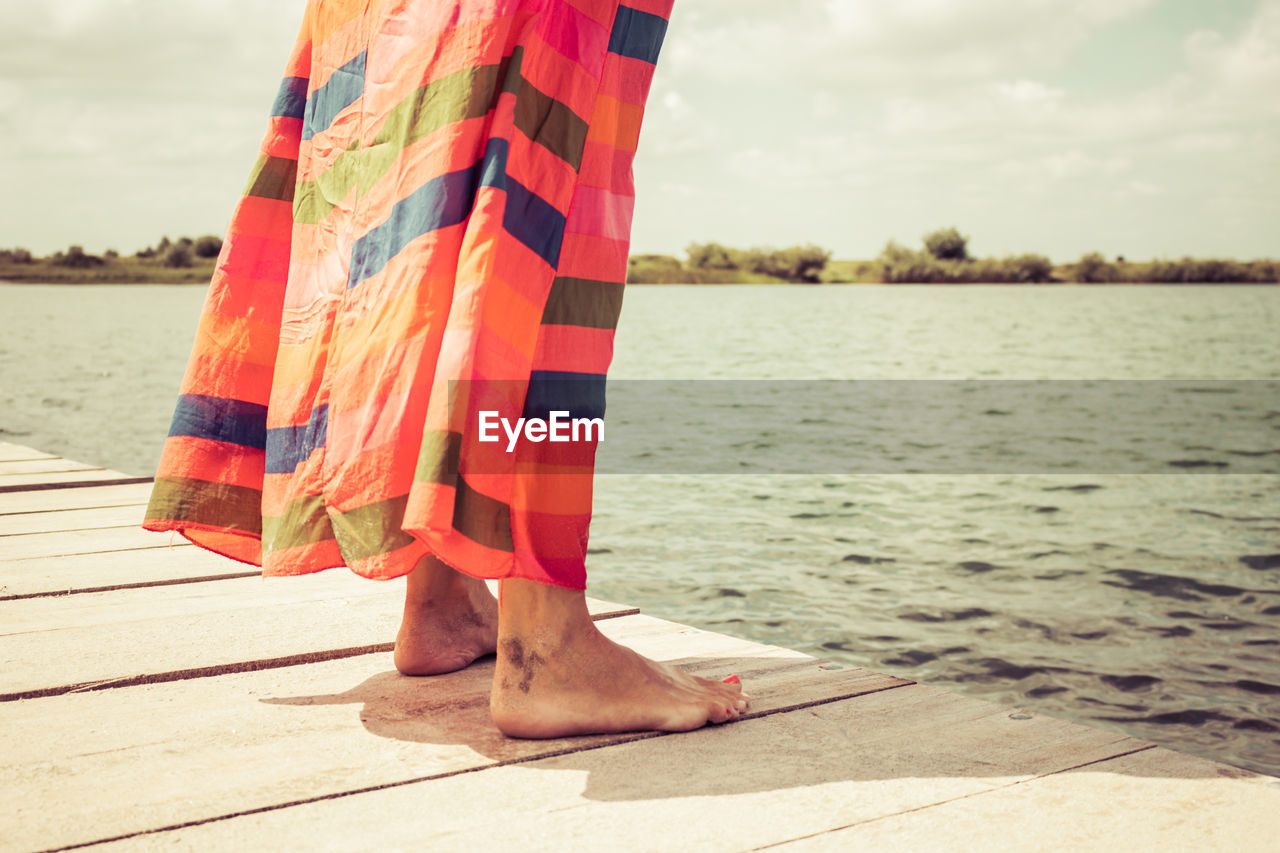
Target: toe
730 692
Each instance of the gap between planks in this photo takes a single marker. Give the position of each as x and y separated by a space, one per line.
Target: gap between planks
128 569
96 529
370 608
215 670
74 484
128 536
139 585
73 519
839 830
90 495
10 452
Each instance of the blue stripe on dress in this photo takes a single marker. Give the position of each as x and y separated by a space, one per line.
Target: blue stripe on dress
533 221
637 35
439 203
343 89
291 101
579 394
493 169
448 200
288 447
220 419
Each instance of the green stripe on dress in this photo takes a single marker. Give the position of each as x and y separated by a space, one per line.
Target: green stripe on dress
373 529
273 178
463 95
481 518
551 124
206 503
438 458
305 521
583 302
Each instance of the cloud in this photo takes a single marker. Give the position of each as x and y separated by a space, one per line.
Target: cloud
1030 93
133 118
774 75
1245 66
881 43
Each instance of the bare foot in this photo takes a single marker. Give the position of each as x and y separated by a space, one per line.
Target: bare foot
557 675
450 619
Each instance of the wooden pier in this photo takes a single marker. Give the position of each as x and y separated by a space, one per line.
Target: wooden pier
157 696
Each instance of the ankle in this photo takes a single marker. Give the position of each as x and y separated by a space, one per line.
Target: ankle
540 615
432 582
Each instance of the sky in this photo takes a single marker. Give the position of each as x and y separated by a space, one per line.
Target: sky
1143 128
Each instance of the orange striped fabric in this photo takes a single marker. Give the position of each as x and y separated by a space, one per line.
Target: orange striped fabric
437 226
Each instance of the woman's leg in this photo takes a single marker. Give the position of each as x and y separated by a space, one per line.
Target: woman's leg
450 619
558 675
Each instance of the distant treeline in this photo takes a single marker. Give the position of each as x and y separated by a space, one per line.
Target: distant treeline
712 263
945 260
184 259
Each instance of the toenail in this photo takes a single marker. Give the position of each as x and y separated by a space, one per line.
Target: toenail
733 679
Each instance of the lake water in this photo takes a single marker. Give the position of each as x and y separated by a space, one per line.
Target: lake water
1144 602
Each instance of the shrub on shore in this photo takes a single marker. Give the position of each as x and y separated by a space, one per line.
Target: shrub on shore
208 246
947 244
713 263
1030 268
76 258
901 265
798 264
656 269
178 257
1094 269
709 256
16 256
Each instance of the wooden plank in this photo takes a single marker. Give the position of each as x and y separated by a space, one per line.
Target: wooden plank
82 498
24 469
735 787
1152 800
55 645
44 466
218 746
64 479
70 542
74 475
93 518
16 452
114 569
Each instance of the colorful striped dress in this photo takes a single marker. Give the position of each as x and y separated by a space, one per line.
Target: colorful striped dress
437 226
